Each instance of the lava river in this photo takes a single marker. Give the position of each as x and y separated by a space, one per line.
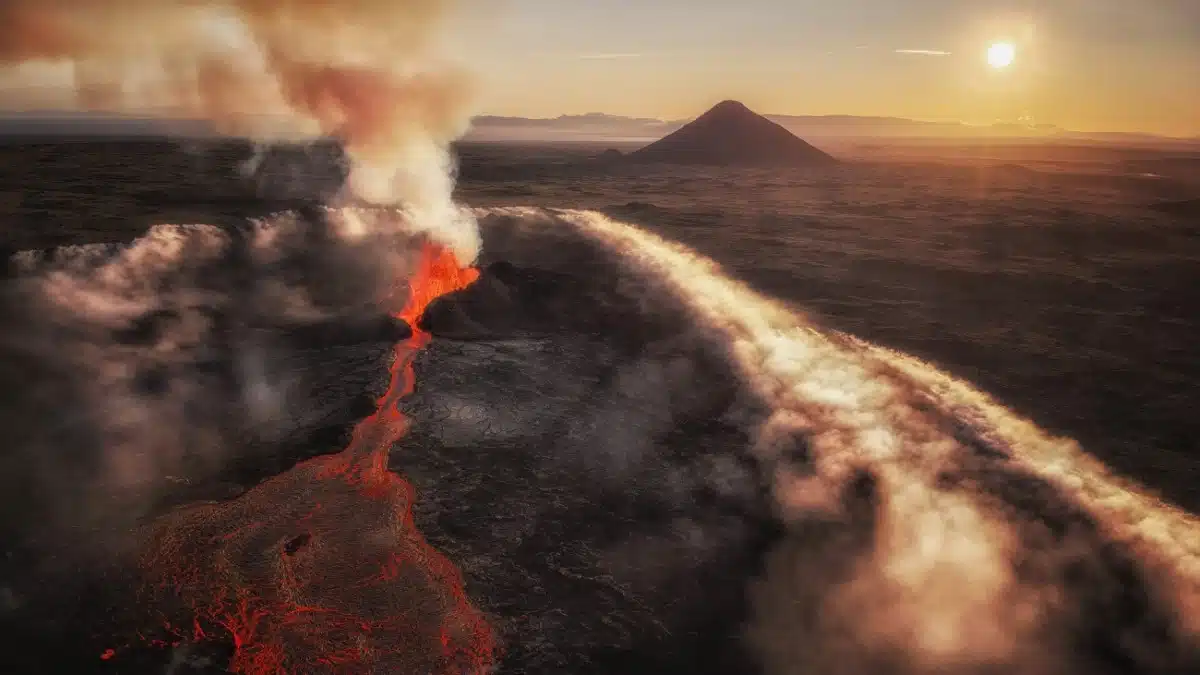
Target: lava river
321 569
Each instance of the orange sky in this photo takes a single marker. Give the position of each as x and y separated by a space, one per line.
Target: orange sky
1090 65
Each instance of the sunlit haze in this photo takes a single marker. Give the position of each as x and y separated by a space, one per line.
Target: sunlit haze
1085 65
1089 65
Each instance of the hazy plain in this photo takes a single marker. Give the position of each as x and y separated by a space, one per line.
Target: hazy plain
1064 279
1045 274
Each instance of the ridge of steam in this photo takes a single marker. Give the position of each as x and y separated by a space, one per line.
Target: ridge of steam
938 583
937 560
1132 514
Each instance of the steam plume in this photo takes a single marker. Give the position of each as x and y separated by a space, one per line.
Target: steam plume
939 584
926 529
366 72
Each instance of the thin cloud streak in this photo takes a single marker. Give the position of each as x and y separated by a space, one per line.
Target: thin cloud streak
923 52
608 57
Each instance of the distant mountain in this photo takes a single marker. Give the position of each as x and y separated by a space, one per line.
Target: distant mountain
587 118
853 126
69 123
590 126
615 128
730 134
600 126
595 127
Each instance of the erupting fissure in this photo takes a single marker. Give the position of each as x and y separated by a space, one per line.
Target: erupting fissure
321 569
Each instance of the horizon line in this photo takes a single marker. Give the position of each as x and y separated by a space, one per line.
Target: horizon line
12 114
929 121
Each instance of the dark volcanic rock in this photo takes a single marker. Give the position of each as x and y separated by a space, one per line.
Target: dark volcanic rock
506 301
1188 207
382 329
524 302
731 134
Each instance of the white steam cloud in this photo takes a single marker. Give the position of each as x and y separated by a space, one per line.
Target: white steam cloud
167 360
372 74
970 521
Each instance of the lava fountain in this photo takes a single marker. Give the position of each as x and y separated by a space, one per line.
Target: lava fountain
321 569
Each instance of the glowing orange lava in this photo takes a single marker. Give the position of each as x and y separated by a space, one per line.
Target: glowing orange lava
437 274
321 569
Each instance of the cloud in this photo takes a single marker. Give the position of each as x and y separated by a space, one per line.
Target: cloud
375 75
609 56
184 349
923 52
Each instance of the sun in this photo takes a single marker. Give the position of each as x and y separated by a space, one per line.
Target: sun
1001 54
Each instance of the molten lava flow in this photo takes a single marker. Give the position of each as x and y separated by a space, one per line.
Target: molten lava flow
365 460
437 274
321 569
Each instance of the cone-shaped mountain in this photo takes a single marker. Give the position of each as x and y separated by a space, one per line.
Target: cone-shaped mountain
731 134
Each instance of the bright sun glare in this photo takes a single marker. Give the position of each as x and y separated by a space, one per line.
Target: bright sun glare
1001 54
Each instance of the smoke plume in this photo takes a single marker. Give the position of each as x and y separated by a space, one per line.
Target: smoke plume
173 359
371 74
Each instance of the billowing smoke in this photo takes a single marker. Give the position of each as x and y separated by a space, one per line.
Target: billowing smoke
185 359
371 74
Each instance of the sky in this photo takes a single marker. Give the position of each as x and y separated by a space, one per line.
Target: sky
1088 65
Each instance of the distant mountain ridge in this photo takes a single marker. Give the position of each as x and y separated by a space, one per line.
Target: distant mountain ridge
614 128
76 123
593 117
833 125
599 127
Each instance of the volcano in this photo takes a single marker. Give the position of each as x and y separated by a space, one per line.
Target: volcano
730 134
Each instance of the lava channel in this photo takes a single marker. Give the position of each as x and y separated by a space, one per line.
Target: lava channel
321 569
